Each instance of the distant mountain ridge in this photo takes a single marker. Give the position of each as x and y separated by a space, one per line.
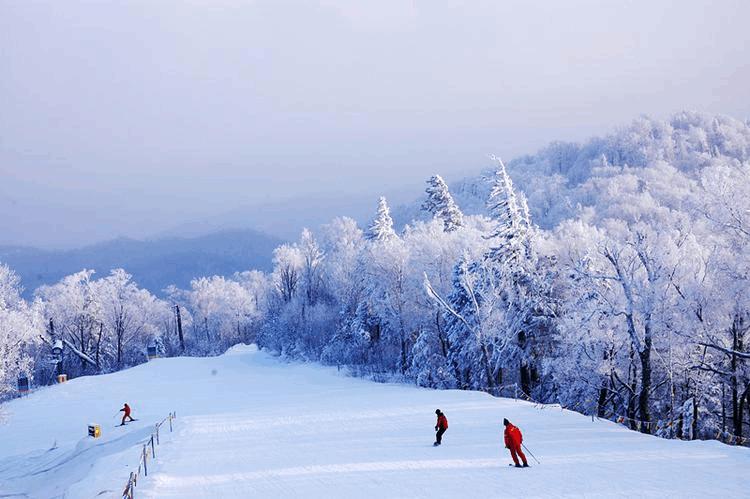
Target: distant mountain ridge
286 218
154 264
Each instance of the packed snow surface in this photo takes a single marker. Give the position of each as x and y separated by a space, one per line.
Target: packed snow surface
250 425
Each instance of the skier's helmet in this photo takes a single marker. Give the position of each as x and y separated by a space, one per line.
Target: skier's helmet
437 411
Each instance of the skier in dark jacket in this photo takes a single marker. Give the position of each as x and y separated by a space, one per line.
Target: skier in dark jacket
126 410
513 441
440 427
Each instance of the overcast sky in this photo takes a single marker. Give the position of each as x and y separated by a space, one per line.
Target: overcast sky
128 118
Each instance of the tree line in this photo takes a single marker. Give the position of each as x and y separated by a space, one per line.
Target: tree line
631 302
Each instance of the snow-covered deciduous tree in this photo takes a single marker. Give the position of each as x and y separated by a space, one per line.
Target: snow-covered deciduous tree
312 266
20 327
351 342
221 310
723 306
301 313
132 317
388 297
632 270
470 316
258 287
73 312
431 366
104 324
288 264
343 242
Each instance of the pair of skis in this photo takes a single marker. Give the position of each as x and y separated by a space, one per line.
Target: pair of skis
510 464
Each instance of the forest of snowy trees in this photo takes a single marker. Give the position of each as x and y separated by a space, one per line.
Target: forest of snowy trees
611 277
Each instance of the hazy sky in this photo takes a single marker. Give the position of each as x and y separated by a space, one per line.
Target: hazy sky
129 118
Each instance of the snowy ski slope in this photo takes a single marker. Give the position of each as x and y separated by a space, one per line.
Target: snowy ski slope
251 426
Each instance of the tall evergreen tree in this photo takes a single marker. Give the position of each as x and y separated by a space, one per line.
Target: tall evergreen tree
381 228
518 279
511 231
440 203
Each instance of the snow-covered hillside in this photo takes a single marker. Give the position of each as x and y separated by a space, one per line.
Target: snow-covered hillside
563 176
251 426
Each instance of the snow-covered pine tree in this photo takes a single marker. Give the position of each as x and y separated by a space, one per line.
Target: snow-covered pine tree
381 228
518 280
440 203
511 221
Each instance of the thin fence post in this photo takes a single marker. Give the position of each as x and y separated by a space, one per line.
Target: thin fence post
129 492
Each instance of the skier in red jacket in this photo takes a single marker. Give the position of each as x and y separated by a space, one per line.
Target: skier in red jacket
513 441
440 427
126 410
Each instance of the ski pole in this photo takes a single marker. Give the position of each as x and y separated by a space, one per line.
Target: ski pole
532 455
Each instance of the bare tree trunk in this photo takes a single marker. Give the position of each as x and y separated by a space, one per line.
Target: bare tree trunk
741 408
82 335
524 373
119 349
723 409
632 376
99 342
737 406
443 341
643 396
695 418
59 364
179 328
600 409
404 365
499 377
486 365
525 376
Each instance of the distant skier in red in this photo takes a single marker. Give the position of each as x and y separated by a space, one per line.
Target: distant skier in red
513 441
126 410
440 427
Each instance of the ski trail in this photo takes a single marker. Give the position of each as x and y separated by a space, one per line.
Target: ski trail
296 436
263 428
